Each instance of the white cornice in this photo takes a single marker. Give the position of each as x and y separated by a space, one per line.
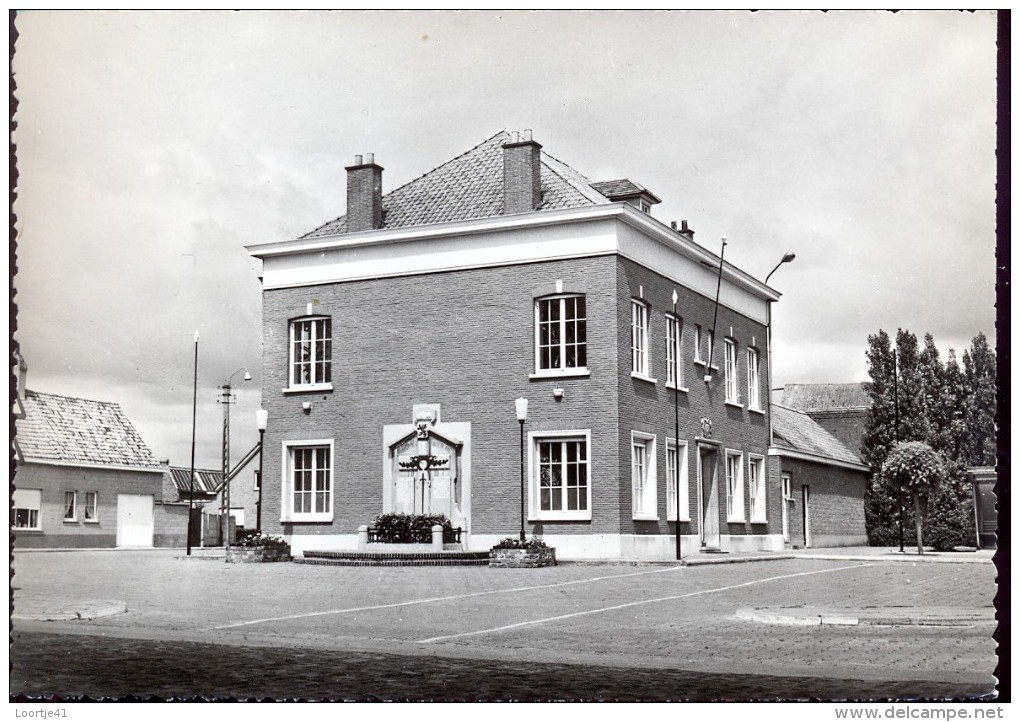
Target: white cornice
86 465
817 458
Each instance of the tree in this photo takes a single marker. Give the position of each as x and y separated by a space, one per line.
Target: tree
916 466
979 409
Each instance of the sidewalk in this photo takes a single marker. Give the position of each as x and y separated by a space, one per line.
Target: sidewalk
870 616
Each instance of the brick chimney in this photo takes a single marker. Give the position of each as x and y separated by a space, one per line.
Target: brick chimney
522 181
364 194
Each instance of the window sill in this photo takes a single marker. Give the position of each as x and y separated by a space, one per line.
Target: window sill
735 405
91 521
313 518
756 411
574 516
26 530
699 362
681 389
759 521
308 389
560 374
645 517
642 377
683 519
70 521
741 520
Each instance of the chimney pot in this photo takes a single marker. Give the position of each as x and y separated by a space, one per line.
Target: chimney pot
514 137
369 158
672 224
357 160
527 135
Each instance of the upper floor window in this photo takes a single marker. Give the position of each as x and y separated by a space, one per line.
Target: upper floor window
561 334
753 390
732 394
674 346
697 344
639 338
311 352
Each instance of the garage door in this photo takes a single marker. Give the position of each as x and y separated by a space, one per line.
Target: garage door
134 520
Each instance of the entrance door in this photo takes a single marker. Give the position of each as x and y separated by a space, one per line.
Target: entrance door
787 498
708 460
134 520
806 492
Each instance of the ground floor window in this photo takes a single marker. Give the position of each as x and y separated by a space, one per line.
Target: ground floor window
27 503
734 486
308 486
643 476
561 475
70 506
676 464
91 506
756 486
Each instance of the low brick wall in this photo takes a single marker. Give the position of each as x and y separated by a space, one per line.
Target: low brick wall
256 555
521 558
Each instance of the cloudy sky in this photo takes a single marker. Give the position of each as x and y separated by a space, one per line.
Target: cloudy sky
153 146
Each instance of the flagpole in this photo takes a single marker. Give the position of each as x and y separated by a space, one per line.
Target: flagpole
194 406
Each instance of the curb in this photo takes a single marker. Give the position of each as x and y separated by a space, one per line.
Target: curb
851 619
73 612
723 559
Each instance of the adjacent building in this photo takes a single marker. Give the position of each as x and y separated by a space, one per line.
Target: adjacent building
840 409
398 337
85 478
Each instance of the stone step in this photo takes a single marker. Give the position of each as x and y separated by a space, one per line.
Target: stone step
395 558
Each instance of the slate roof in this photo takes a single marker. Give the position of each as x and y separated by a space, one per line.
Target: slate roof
825 397
71 429
207 481
471 186
795 430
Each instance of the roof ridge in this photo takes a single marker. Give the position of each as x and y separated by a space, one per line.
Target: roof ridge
413 180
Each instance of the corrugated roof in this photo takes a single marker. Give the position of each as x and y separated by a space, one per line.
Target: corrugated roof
70 429
471 186
207 481
825 397
795 430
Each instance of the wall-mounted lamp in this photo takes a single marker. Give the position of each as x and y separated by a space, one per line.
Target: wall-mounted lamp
307 406
558 394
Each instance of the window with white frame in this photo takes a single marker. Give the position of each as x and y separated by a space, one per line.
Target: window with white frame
643 475
753 390
697 345
27 503
308 486
311 352
676 464
91 506
639 338
70 506
674 355
756 486
561 334
561 475
734 486
732 392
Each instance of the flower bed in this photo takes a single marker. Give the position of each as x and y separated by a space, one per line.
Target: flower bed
256 548
410 529
516 554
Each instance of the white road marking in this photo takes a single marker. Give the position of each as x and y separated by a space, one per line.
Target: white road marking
429 600
634 604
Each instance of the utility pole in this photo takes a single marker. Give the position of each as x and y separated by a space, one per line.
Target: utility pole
896 431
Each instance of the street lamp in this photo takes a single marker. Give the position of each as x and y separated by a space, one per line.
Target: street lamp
227 398
786 259
522 416
261 420
676 419
194 407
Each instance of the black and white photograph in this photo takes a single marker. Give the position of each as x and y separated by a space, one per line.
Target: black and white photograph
510 356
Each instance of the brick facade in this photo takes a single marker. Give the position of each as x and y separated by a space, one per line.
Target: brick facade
54 480
466 340
847 425
836 504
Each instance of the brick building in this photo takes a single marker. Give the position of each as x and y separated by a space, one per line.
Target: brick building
823 483
85 478
397 338
840 409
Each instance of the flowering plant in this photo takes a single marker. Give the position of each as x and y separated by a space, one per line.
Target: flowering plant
510 542
263 541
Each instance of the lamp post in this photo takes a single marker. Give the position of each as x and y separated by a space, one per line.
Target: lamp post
194 406
227 398
262 421
676 419
787 257
522 416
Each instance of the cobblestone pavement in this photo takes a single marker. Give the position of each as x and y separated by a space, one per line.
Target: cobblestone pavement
641 621
116 668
